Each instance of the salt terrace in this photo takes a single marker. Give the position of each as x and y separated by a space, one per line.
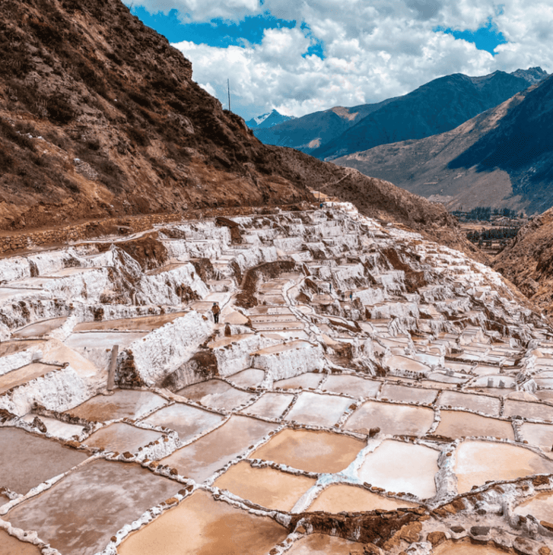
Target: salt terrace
365 391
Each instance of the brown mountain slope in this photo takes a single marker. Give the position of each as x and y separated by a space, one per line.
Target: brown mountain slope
528 261
100 118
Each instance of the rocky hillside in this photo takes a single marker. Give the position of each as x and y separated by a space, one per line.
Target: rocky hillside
100 117
528 261
501 158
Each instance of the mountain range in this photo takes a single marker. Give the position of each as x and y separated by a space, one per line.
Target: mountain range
270 119
501 158
436 107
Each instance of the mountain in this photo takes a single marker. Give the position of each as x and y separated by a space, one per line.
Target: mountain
100 120
438 106
309 132
267 120
501 158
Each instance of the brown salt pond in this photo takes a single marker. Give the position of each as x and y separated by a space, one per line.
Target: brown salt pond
321 452
27 460
539 506
12 347
309 380
187 421
267 487
80 513
457 424
476 462
202 526
247 378
540 435
38 329
351 385
143 323
469 401
216 394
408 394
318 410
124 403
25 374
203 457
321 544
466 548
9 545
391 419
120 437
532 411
351 499
270 405
402 467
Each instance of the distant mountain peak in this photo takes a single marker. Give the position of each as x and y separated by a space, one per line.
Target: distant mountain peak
274 117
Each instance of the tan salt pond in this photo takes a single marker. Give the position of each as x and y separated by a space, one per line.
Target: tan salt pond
402 467
321 452
321 544
457 424
55 427
540 435
27 460
203 457
24 375
187 421
391 419
12 347
216 394
308 380
318 410
408 394
120 437
271 405
351 499
124 403
247 378
352 385
267 487
479 403
451 548
10 545
38 329
202 526
479 461
532 411
81 512
539 506
130 324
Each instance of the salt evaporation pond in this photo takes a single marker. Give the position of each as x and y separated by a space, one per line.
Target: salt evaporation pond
310 450
321 544
458 424
402 467
391 419
216 394
123 403
141 323
465 548
203 457
408 394
80 513
339 498
25 374
38 329
267 487
318 410
9 545
479 461
187 421
121 437
479 403
309 380
202 526
531 411
270 405
540 506
351 385
251 377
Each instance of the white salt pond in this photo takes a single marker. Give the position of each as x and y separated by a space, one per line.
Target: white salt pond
270 405
318 410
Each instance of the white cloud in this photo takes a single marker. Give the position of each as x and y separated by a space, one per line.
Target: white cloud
373 50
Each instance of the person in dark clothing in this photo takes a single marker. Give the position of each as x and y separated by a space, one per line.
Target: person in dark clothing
216 311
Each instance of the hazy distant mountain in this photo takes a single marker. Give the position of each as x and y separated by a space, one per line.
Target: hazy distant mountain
267 120
501 158
438 106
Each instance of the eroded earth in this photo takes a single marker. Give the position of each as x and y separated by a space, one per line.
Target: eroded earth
365 391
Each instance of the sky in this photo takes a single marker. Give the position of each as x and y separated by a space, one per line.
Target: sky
302 56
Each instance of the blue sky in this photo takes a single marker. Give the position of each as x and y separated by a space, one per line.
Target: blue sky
300 56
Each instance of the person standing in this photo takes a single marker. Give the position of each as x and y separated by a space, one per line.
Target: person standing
216 311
